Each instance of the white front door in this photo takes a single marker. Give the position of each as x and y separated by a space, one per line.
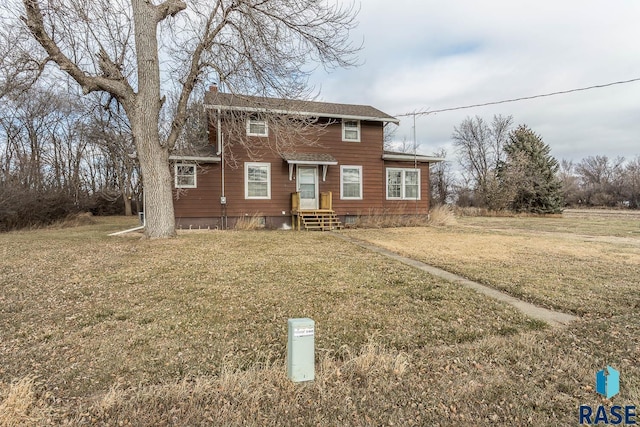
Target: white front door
308 186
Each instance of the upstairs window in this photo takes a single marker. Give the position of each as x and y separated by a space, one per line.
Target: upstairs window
257 127
185 175
403 184
351 130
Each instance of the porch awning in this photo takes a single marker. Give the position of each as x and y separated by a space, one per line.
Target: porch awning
312 159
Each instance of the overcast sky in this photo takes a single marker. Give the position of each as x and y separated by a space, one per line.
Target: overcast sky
429 55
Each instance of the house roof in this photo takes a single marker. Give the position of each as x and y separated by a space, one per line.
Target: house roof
408 157
227 101
309 159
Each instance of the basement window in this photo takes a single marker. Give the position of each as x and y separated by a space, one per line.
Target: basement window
350 219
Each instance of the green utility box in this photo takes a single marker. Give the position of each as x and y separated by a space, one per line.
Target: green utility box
301 350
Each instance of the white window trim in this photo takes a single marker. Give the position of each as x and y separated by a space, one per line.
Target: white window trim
246 181
195 175
403 184
344 121
266 127
342 168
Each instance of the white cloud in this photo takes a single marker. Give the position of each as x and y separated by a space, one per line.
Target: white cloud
433 55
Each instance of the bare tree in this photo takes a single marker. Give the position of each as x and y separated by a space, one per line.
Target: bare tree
110 133
442 179
570 184
601 179
388 134
480 152
30 124
42 147
632 183
115 46
18 69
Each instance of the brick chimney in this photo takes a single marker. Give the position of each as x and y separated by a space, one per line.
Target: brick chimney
213 88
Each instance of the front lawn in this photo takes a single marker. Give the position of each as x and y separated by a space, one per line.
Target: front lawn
192 331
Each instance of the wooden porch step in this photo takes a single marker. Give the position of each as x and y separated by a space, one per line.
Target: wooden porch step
319 220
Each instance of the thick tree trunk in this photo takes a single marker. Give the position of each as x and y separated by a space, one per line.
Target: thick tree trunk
156 177
144 115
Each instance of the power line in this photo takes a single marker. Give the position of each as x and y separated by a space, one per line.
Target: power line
524 98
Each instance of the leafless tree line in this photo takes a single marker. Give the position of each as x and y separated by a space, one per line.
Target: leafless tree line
61 153
595 181
601 181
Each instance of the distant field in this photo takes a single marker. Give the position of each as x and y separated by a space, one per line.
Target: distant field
192 331
602 213
596 222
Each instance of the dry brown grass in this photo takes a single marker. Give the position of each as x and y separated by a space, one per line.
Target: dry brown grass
442 216
251 222
551 266
192 331
70 221
376 218
76 220
20 405
484 212
255 396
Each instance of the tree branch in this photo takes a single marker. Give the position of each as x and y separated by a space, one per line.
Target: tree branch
169 8
109 69
114 84
195 68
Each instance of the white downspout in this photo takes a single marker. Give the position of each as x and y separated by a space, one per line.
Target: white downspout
219 134
144 208
220 142
222 161
224 207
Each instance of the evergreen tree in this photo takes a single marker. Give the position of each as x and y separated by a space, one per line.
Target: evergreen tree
529 173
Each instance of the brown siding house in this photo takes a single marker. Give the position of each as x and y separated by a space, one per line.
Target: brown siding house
288 162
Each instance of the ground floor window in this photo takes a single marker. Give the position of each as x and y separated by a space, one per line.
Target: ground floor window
403 184
351 182
185 175
257 180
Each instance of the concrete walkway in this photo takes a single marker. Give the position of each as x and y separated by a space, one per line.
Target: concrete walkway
553 318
